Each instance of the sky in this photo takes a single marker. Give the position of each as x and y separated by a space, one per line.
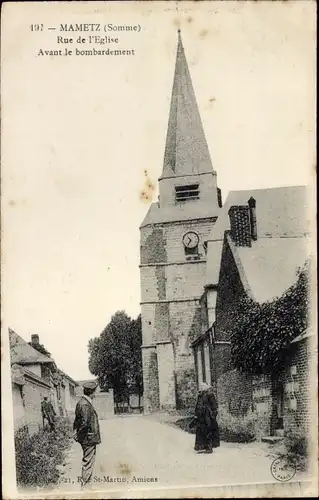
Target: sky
79 132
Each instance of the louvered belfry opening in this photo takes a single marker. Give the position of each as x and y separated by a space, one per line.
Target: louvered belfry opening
188 192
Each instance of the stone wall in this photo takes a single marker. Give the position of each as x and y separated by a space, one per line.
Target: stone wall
103 403
150 379
18 406
171 290
27 399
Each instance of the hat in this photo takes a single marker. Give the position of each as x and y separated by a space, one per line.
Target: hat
92 385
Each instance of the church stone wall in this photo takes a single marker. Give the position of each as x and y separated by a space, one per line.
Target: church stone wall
174 233
185 280
171 290
150 379
207 189
152 244
148 323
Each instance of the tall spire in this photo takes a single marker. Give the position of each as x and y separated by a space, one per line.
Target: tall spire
186 150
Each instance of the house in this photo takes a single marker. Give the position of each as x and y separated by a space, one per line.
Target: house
258 244
35 375
103 401
173 252
31 381
66 393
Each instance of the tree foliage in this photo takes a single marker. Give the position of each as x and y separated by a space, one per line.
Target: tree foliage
263 332
115 356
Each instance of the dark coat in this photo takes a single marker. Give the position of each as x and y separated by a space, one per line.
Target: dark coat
86 423
48 411
207 431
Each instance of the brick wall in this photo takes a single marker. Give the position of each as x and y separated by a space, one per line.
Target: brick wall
221 359
234 391
240 229
238 393
262 404
260 392
230 292
297 402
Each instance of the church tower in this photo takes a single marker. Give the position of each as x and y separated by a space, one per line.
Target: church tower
172 251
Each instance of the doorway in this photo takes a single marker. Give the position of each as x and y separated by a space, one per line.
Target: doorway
277 420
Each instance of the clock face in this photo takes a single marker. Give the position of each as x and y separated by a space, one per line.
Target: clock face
190 239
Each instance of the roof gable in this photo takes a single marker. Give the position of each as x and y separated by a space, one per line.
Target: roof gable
270 266
22 353
280 212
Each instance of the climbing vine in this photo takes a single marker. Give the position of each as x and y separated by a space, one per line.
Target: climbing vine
262 332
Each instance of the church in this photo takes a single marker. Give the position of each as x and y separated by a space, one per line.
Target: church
201 262
173 243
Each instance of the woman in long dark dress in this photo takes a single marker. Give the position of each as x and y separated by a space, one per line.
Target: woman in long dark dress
207 431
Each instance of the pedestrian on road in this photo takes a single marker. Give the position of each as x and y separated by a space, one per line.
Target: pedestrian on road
207 431
87 430
48 413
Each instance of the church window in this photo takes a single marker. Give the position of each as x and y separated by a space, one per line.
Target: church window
188 192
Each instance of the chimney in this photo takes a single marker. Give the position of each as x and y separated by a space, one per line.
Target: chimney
253 220
219 197
240 229
35 339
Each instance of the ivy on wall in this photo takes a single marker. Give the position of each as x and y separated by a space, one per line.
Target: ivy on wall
263 332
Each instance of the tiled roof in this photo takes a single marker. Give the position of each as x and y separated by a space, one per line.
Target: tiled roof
22 353
281 213
68 377
307 334
270 265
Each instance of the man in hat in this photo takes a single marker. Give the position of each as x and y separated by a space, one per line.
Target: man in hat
48 413
87 430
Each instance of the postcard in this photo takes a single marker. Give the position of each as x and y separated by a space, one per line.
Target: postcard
158 256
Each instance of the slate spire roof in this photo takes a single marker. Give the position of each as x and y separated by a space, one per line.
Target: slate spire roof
186 150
